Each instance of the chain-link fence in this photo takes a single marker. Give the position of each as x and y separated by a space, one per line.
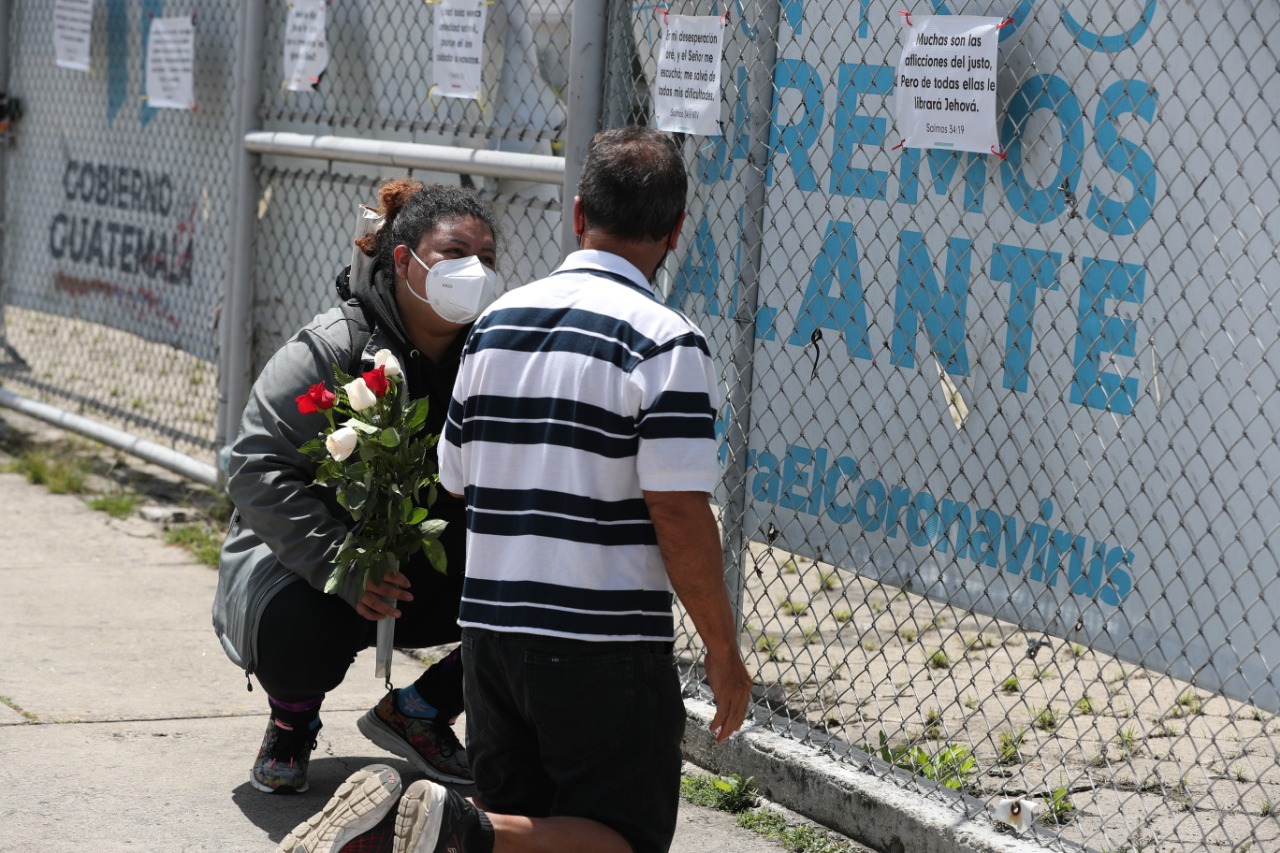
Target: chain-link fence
117 222
380 83
1000 470
999 430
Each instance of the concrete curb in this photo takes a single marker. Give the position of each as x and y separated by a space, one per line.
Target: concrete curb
866 808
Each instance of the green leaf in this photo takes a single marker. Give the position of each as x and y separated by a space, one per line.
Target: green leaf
436 555
314 447
389 437
432 528
360 426
354 496
336 577
418 516
341 375
416 414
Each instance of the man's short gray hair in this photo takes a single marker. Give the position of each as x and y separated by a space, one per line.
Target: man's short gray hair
633 183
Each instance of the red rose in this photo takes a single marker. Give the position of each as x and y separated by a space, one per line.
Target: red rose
377 381
318 397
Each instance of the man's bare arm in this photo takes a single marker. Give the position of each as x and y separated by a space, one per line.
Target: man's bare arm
690 546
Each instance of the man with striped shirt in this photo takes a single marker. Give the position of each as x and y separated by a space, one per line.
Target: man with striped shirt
581 434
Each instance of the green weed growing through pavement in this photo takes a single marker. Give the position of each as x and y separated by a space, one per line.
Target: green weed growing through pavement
1058 807
61 472
1009 747
202 541
738 795
952 765
734 793
116 505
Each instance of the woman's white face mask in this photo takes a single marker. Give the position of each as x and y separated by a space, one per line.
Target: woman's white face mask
458 289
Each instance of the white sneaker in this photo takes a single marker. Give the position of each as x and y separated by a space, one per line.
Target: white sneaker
358 805
433 819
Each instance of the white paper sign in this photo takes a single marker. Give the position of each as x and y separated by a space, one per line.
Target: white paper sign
170 60
306 49
459 40
687 96
72 25
946 83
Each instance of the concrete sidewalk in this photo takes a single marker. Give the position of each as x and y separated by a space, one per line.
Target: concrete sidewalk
123 727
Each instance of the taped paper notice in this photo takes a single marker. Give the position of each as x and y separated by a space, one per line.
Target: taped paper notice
946 83
170 60
457 47
306 49
687 96
72 26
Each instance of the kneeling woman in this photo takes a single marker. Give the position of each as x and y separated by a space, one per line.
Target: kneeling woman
270 612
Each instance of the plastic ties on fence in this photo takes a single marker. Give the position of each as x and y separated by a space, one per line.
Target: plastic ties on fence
906 15
815 341
1006 22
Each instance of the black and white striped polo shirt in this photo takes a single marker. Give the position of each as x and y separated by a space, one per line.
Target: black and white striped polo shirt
576 394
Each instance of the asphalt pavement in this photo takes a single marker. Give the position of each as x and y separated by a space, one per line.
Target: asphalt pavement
123 726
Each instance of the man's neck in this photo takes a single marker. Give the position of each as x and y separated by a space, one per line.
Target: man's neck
644 255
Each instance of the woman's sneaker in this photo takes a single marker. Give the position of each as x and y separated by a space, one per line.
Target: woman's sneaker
430 745
283 758
359 804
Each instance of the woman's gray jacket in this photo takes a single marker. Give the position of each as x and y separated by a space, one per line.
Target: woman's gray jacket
285 528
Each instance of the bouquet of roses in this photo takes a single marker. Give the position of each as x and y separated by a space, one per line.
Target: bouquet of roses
376 456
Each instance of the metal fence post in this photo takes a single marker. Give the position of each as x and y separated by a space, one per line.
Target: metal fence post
588 40
739 370
235 333
4 168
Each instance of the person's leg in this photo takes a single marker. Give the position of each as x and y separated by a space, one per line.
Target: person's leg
438 691
414 721
431 619
610 720
576 746
306 642
501 741
433 819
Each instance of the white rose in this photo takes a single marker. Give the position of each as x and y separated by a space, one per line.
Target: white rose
359 395
341 443
384 358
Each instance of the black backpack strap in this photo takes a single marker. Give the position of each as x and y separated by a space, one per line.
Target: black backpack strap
343 283
361 324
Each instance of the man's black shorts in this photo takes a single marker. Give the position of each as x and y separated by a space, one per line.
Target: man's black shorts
574 728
